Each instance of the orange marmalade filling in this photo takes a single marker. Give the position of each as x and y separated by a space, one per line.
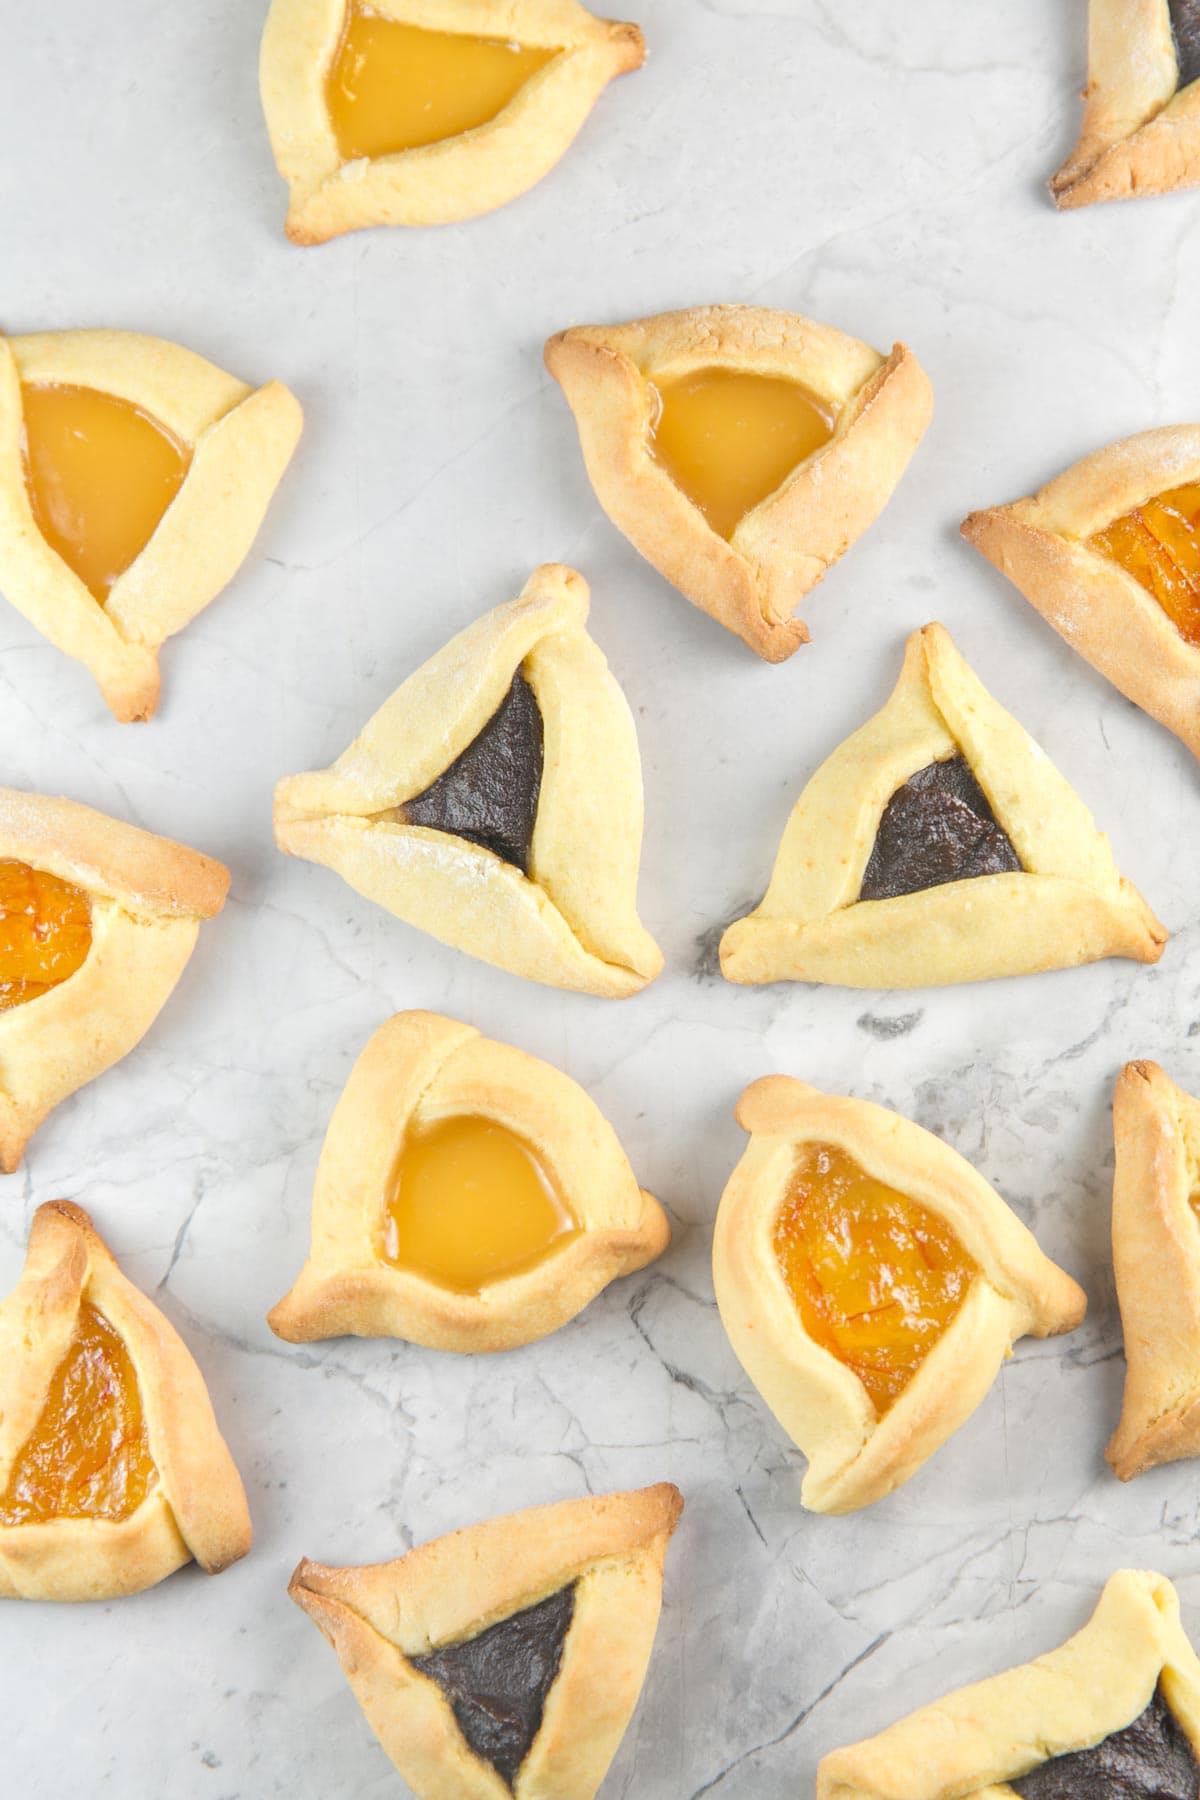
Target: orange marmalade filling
100 473
45 932
876 1277
729 439
1159 544
88 1456
470 1204
394 87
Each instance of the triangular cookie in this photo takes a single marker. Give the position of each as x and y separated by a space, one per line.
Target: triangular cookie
133 478
97 921
495 801
1109 554
938 844
1141 114
468 1197
1156 1255
872 1284
422 112
112 1470
741 450
1111 1714
504 1660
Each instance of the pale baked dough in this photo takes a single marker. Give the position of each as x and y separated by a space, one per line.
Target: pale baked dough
241 440
1141 130
1156 1255
855 1456
572 921
1098 607
420 1067
196 1508
1067 905
459 177
613 1547
148 897
753 582
976 1740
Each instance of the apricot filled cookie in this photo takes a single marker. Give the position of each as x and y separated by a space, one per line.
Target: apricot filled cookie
504 1660
420 112
112 1471
1156 1256
97 922
495 800
133 478
741 450
1109 554
938 844
468 1197
1113 1714
872 1284
1141 113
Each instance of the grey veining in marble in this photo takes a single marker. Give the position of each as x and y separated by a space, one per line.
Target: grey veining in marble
874 165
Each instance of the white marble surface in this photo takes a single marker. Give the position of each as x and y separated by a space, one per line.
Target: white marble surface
876 166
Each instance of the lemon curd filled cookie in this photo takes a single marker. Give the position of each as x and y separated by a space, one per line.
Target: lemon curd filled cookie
133 478
421 112
97 922
495 800
112 1470
872 1284
938 844
741 450
1112 1714
1109 554
468 1197
1141 107
506 1659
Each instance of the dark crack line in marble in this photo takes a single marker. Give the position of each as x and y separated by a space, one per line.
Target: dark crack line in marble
781 1737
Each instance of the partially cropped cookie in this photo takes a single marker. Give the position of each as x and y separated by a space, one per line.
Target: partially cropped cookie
872 1283
1113 1714
1156 1256
504 1662
97 922
112 1470
495 801
133 478
741 450
1109 554
422 112
938 844
468 1197
1141 107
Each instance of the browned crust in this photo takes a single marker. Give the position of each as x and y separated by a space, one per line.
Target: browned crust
1156 1255
153 874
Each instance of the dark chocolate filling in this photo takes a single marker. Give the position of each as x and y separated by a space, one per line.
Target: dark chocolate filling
1149 1760
1185 28
497 1682
489 793
938 827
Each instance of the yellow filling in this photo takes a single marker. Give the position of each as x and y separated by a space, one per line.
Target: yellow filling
394 87
470 1204
100 474
876 1277
729 439
88 1456
45 932
1159 544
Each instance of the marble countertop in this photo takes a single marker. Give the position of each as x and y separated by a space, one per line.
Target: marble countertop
879 167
